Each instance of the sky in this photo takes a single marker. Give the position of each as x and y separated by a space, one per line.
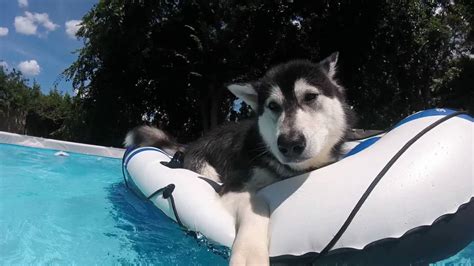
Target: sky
37 37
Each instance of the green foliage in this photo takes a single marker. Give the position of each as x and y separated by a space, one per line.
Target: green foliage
15 101
409 54
167 62
27 110
456 86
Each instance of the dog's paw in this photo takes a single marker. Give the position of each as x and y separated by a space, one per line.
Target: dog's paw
250 245
250 257
250 250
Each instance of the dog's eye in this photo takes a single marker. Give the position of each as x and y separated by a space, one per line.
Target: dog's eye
309 97
274 107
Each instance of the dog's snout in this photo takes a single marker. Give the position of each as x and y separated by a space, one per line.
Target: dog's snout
291 145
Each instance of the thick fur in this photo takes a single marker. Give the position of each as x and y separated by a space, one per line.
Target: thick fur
235 151
143 136
301 121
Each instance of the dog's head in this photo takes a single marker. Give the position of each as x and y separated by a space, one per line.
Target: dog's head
301 111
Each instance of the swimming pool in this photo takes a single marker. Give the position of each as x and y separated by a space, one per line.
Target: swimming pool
76 210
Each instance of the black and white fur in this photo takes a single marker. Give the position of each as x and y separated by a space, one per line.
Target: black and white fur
301 121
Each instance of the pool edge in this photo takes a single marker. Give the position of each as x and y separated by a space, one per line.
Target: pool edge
60 145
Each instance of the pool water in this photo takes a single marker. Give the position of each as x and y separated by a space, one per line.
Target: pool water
76 210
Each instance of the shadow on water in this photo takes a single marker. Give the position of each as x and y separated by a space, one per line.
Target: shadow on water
154 237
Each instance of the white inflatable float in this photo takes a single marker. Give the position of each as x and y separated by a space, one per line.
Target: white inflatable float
404 197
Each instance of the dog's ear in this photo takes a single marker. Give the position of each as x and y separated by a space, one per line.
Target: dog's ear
329 64
246 92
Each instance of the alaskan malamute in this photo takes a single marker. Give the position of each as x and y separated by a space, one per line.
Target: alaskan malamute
301 121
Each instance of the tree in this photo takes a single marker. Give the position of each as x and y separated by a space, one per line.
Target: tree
167 63
14 100
393 53
48 113
26 110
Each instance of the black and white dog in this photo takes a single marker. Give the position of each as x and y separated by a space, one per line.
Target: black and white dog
301 122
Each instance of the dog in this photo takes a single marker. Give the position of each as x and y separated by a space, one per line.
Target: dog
301 122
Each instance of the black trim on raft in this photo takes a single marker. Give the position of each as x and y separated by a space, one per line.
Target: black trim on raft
123 170
176 161
136 151
362 134
167 192
132 151
308 258
125 154
124 177
374 183
169 188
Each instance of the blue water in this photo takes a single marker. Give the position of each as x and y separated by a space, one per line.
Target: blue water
76 210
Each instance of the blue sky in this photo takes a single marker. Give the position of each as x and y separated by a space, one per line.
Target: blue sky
35 38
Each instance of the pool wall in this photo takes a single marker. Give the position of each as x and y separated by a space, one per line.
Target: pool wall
43 143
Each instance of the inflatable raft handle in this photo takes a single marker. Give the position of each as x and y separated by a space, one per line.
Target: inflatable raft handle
176 161
376 180
167 193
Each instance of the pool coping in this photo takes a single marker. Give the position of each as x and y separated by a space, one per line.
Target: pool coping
60 145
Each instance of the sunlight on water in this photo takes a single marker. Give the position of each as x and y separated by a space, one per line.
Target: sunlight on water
76 210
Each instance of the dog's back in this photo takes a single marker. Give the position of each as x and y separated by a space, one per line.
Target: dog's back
148 136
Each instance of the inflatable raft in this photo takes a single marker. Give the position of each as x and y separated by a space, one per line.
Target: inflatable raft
405 196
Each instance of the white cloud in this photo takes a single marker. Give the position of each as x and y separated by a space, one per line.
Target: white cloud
29 68
23 3
4 64
3 31
72 26
29 23
25 25
43 19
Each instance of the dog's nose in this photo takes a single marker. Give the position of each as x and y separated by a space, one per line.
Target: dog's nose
291 145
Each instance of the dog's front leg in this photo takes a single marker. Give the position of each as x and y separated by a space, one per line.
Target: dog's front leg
250 246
